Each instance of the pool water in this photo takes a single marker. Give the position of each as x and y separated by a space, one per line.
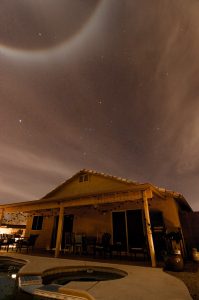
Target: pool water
83 274
8 287
61 276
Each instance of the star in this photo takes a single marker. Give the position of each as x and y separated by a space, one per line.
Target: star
92 99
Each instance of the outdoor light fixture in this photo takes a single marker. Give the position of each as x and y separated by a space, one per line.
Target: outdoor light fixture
13 276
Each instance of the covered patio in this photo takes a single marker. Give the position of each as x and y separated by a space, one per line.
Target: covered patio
100 215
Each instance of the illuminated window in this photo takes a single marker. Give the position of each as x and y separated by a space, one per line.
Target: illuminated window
37 222
83 177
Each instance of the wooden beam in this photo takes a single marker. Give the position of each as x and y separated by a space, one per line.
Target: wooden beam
79 201
148 229
103 199
32 207
59 230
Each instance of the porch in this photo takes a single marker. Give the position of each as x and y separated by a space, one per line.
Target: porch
108 223
126 224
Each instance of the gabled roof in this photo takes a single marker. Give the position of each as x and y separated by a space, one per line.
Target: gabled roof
126 185
130 183
107 176
180 199
85 171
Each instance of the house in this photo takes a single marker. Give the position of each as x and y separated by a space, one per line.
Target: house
93 203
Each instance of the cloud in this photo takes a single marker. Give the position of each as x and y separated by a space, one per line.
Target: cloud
26 160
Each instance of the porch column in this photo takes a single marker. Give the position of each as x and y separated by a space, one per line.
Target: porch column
1 215
148 229
59 230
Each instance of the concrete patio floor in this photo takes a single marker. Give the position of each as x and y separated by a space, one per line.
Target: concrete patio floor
140 283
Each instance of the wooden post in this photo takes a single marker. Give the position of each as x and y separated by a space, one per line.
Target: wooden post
1 215
59 230
148 229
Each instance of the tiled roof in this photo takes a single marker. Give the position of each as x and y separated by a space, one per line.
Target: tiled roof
124 180
108 176
127 181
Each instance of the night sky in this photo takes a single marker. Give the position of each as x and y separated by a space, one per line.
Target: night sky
111 86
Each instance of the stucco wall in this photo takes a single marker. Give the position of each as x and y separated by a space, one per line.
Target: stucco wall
95 184
170 211
44 235
95 220
92 222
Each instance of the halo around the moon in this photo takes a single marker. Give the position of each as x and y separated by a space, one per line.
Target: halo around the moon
37 24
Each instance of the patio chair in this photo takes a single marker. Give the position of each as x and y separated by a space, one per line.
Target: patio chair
104 247
89 243
3 242
27 243
117 248
78 243
6 243
139 249
69 242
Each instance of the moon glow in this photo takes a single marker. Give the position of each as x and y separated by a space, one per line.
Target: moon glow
43 47
50 23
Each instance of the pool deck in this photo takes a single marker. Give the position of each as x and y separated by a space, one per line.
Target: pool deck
140 283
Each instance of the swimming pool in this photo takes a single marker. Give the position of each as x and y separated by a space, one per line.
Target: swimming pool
8 285
53 283
63 276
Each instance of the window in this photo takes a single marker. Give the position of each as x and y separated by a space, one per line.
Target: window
83 177
37 222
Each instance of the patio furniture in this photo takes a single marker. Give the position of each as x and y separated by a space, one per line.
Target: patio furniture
78 243
104 247
2 243
89 243
6 243
139 250
69 242
27 243
117 248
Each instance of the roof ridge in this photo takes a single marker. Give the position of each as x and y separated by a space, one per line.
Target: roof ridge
94 173
109 176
